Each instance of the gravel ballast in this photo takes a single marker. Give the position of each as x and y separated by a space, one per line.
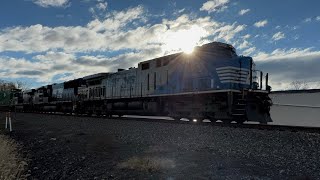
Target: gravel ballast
66 147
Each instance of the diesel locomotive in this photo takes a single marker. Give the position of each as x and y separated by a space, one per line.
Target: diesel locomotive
212 83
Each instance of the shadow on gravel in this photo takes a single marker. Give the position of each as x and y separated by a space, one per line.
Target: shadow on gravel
149 164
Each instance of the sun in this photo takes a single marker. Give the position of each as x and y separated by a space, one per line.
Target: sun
184 40
188 50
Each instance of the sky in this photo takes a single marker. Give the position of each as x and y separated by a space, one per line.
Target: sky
48 41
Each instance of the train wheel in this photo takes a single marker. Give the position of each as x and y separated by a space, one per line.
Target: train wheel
226 121
213 120
176 118
89 113
240 121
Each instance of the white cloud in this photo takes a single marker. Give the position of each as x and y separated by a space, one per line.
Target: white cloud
98 11
95 36
249 51
228 32
286 54
117 19
181 10
261 23
102 6
244 45
56 48
113 33
246 36
214 5
42 68
277 36
308 20
20 67
311 19
52 3
243 11
296 37
91 10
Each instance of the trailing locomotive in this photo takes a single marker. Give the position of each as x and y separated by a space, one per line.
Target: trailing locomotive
211 83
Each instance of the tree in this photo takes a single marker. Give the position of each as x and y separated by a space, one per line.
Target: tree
299 85
22 85
7 86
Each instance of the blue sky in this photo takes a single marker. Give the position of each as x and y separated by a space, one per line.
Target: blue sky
46 41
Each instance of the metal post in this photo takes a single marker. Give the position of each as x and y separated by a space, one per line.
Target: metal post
240 75
251 64
261 76
267 79
10 125
6 121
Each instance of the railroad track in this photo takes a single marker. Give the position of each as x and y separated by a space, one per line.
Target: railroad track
190 122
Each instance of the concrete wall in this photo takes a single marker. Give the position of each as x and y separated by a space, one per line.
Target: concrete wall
299 109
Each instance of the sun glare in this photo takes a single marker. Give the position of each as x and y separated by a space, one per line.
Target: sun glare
188 50
184 40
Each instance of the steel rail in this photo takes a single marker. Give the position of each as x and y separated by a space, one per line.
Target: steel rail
272 127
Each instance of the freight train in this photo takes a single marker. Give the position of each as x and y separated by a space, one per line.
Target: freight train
212 83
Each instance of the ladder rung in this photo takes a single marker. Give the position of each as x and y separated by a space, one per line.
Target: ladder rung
238 114
240 104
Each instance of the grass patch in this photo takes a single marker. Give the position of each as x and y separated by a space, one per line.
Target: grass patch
147 163
11 165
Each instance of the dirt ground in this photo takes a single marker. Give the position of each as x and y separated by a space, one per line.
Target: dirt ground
64 147
11 164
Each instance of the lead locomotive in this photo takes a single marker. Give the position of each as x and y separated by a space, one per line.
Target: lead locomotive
211 83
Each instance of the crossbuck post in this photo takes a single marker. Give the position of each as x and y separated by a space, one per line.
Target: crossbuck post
8 121
10 124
